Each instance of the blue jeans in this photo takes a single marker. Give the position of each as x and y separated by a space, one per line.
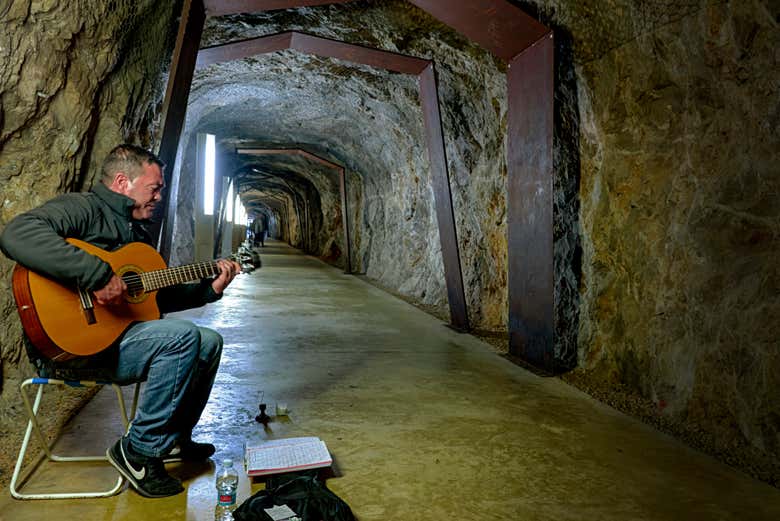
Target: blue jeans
179 361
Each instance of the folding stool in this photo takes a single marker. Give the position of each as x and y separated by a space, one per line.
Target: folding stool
32 425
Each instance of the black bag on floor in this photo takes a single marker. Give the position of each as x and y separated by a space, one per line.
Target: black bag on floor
306 495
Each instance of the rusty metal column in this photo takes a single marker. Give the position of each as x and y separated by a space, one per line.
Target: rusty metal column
441 189
307 211
287 219
193 16
530 205
344 219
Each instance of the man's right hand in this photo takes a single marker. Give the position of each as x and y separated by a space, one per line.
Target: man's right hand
112 294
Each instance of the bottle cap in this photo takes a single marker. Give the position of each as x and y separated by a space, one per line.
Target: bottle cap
227 462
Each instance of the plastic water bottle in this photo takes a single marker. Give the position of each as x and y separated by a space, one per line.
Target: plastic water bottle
227 483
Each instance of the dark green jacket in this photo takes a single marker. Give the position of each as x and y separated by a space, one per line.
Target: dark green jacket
101 217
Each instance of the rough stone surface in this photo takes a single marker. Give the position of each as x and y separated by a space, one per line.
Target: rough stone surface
678 109
76 78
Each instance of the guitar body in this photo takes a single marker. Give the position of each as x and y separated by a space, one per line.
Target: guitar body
53 315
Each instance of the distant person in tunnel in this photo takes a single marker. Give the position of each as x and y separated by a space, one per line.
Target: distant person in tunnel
258 230
177 359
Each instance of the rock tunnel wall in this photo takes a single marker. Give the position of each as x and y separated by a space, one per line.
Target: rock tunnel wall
76 78
680 214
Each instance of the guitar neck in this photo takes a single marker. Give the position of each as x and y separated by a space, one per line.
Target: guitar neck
157 279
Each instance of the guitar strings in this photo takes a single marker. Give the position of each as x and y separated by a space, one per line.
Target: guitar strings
135 282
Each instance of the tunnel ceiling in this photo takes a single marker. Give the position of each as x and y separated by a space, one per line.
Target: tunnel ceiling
292 167
364 118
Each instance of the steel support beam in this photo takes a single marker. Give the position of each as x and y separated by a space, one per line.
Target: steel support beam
314 45
345 220
391 61
244 48
174 110
530 205
443 196
497 25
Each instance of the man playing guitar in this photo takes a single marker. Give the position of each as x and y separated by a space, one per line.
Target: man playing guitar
177 359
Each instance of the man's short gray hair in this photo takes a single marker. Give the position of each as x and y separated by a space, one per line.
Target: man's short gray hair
128 159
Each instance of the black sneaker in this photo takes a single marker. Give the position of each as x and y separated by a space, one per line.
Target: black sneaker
188 450
147 475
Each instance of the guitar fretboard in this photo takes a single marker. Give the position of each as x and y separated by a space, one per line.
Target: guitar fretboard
154 280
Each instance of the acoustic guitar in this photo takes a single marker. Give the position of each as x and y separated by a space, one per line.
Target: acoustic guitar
65 322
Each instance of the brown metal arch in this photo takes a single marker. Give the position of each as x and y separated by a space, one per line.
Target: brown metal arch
310 44
526 45
284 186
432 119
497 25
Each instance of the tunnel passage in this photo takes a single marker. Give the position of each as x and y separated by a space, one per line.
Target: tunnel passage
359 141
323 209
310 193
527 47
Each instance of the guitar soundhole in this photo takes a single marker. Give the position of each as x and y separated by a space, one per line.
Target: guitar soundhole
135 288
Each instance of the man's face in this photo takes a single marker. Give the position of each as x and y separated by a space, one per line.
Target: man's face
145 190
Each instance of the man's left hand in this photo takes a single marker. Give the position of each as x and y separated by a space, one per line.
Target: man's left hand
227 272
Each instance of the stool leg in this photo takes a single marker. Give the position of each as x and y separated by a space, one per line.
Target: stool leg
32 424
135 400
121 399
26 440
32 412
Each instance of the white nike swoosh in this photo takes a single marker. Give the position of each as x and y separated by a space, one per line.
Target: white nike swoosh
137 475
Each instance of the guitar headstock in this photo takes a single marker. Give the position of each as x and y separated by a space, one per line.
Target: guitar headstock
247 259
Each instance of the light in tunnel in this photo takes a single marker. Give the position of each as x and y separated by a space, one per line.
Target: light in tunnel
229 205
241 217
208 177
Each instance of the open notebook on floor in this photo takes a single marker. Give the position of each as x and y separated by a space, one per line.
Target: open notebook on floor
286 455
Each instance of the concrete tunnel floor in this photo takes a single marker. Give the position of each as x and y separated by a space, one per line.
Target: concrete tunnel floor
422 422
